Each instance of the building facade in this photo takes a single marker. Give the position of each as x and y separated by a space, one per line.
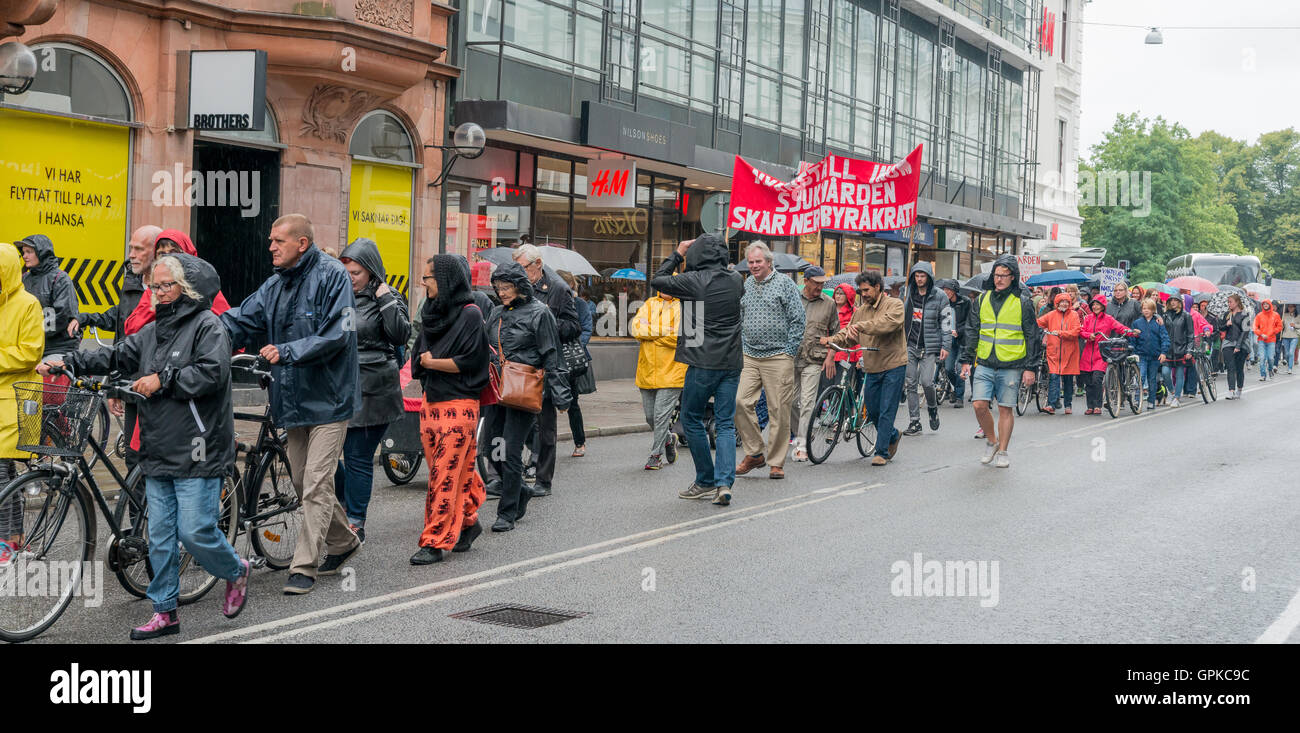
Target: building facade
346 97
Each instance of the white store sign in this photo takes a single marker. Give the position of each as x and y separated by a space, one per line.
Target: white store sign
611 184
227 91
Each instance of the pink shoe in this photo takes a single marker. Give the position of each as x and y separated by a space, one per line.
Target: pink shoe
162 624
237 593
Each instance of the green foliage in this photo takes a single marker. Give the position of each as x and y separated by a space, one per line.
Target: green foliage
1150 270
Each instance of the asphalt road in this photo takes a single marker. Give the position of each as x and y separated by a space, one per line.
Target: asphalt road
1174 526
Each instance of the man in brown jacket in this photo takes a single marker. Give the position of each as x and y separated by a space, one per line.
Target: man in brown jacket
877 326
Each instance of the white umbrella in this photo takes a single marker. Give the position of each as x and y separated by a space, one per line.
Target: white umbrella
559 258
1259 290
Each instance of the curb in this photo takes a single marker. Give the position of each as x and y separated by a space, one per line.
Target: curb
613 430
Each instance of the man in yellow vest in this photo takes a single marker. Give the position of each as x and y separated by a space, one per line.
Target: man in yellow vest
1002 332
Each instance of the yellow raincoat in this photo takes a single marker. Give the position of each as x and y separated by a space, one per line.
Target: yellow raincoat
22 342
656 326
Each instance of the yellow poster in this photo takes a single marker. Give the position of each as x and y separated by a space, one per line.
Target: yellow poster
379 208
67 179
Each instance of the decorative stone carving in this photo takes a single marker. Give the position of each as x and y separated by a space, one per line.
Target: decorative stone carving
394 14
331 111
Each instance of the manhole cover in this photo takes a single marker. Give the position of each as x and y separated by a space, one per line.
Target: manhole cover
518 617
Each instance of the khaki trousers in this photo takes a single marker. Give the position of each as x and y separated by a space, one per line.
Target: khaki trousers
775 376
313 455
810 378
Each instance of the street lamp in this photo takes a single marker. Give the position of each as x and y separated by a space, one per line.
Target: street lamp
17 68
1154 38
467 141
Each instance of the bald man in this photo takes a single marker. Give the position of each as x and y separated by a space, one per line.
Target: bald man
139 257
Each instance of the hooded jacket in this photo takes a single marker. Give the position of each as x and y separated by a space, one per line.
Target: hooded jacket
656 326
1268 324
1130 311
845 314
304 311
54 290
525 332
187 429
1182 333
933 337
960 309
1028 322
22 344
1062 349
143 312
710 334
382 324
1094 329
1152 339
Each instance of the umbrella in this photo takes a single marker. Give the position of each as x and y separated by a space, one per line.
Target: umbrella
1161 287
1202 297
559 258
627 273
497 255
1194 284
844 277
782 261
976 284
1056 277
1258 291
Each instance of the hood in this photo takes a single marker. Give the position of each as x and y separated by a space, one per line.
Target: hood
44 251
513 273
1060 297
849 292
203 278
1099 299
366 253
949 284
1008 261
180 238
921 267
709 252
11 273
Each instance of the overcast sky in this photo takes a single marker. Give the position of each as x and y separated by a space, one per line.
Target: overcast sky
1240 83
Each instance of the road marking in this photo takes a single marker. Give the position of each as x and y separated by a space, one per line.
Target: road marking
1281 629
421 589
565 564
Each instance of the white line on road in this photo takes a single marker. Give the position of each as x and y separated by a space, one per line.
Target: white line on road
421 589
1281 629
564 564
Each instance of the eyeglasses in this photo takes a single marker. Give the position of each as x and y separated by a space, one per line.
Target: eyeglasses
1006 276
162 287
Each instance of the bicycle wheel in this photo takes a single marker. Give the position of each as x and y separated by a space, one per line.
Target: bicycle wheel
866 434
1133 390
826 423
1023 395
1207 382
942 387
275 537
1110 387
394 470
47 529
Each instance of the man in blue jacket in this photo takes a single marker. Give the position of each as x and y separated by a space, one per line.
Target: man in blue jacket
1150 345
300 320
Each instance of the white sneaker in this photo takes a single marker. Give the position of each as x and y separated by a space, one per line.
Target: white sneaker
990 450
1173 403
1002 460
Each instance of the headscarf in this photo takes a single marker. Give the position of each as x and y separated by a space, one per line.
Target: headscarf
439 313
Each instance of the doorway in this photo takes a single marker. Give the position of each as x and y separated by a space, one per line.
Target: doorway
230 221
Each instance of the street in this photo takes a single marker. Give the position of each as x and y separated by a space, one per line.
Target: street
1174 526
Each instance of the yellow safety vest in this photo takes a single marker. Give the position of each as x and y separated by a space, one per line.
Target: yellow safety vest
1001 333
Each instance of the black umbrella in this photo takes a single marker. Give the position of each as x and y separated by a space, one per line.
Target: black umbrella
844 277
497 255
782 261
976 284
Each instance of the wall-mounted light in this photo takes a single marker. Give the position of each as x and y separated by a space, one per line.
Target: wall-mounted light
1154 38
467 141
17 68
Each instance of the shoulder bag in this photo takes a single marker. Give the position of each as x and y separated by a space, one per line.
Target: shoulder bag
519 385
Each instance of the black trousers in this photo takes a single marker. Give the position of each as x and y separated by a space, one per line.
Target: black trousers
511 426
546 438
1092 388
1236 366
575 421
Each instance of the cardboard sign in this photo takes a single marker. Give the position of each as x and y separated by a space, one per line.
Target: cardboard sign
1110 277
846 194
1030 265
1286 291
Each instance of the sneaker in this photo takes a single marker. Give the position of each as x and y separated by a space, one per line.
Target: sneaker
800 455
1002 460
654 464
160 624
913 428
1232 395
298 584
958 404
749 464
990 452
979 434
879 460
426 556
934 417
670 450
695 491
1173 402
467 537
359 530
723 497
237 592
1263 379
332 563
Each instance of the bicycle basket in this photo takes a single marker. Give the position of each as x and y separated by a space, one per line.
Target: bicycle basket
54 419
1111 352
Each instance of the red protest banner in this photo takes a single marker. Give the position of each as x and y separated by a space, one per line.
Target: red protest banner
837 193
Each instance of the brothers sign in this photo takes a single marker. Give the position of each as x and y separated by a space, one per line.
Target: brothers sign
839 193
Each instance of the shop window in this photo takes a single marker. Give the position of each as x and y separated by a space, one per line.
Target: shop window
553 174
552 219
73 81
381 135
482 215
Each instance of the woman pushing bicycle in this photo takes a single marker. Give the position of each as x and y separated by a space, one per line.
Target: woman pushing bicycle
181 364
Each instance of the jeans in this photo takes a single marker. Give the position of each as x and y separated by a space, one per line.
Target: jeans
1288 350
920 368
355 475
575 421
1191 379
1150 371
1265 357
1054 389
185 510
1235 361
720 385
512 427
883 390
954 374
1173 376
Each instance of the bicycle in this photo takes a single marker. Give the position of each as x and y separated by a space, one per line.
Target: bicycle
1122 380
1204 375
1036 391
943 389
831 418
56 499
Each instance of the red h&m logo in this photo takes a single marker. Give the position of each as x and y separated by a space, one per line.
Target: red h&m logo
1056 230
1047 32
606 184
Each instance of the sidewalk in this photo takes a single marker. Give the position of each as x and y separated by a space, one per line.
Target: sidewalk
614 409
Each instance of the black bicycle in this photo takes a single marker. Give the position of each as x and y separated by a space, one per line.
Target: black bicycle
841 409
1204 374
49 509
1122 381
1036 391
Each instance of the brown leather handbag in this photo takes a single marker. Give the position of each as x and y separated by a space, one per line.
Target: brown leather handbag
519 385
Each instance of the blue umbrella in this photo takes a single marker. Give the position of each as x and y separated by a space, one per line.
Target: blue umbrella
1057 277
627 273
